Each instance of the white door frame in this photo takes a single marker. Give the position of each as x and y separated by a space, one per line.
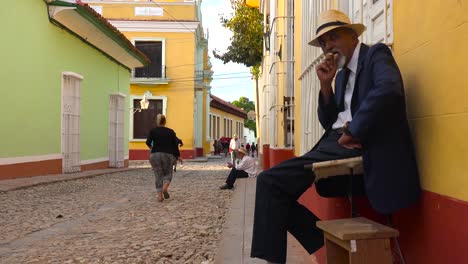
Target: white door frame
70 121
116 130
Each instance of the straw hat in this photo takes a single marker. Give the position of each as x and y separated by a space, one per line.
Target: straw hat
331 19
242 150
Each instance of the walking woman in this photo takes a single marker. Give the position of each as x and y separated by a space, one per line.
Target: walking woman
164 151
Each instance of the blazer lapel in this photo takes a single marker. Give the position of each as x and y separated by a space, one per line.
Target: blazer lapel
361 59
355 98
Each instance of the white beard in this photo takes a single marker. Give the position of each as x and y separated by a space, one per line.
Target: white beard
341 61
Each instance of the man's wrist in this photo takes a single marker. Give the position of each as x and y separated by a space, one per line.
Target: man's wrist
346 130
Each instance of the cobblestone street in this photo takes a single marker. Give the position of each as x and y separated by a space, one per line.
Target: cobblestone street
115 218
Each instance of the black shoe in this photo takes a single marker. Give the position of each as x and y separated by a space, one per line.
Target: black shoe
226 187
166 195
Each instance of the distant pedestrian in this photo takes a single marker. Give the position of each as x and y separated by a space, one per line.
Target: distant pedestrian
253 149
164 150
247 147
218 147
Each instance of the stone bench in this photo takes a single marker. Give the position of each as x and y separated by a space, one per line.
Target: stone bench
357 241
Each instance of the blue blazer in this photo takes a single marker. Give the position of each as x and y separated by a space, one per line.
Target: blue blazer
379 120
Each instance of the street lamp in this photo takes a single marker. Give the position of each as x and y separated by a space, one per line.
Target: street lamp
266 40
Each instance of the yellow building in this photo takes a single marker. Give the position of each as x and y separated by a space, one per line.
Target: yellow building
176 83
429 43
226 119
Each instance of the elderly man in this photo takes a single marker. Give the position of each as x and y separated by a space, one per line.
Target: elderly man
246 167
365 115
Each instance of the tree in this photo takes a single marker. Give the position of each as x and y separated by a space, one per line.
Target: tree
245 104
247 40
246 45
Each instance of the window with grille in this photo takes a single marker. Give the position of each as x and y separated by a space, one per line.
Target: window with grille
116 131
152 50
71 104
377 15
145 120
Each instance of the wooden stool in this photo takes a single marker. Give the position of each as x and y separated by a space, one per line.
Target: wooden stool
357 241
350 166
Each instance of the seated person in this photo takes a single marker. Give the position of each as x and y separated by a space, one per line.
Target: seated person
363 112
245 167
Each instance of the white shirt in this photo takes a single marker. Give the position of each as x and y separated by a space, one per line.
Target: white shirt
345 116
234 144
248 165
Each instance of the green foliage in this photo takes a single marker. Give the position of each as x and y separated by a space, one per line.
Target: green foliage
247 42
245 104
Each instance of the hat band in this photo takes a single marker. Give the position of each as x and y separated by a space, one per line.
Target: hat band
329 24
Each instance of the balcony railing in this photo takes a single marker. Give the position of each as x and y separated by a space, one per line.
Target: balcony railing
152 74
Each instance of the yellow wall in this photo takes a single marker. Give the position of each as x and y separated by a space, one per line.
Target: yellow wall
122 11
179 91
180 54
223 115
179 61
431 40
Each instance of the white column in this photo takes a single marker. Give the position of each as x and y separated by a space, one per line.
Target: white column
208 115
198 118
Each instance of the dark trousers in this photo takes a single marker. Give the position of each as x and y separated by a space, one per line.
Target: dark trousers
277 210
234 174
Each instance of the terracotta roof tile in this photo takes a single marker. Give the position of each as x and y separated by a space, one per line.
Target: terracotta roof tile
113 29
234 109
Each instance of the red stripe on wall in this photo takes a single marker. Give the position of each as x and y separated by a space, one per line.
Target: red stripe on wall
28 169
433 231
143 154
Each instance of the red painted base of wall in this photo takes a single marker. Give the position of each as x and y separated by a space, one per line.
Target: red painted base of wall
188 154
46 167
28 169
432 231
95 166
266 156
143 154
279 155
199 152
138 154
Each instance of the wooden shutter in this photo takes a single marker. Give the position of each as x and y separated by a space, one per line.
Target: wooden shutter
153 50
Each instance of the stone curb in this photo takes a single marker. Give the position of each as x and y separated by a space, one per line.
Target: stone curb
5 187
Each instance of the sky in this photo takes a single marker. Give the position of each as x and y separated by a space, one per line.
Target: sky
231 80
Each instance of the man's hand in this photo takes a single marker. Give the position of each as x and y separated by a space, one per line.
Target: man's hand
349 142
229 165
326 70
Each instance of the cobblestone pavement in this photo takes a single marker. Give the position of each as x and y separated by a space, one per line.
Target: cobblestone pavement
115 218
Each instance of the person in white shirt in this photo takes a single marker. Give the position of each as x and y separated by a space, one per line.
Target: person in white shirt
234 145
245 167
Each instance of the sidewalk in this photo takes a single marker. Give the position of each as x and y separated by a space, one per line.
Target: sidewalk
235 244
21 183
